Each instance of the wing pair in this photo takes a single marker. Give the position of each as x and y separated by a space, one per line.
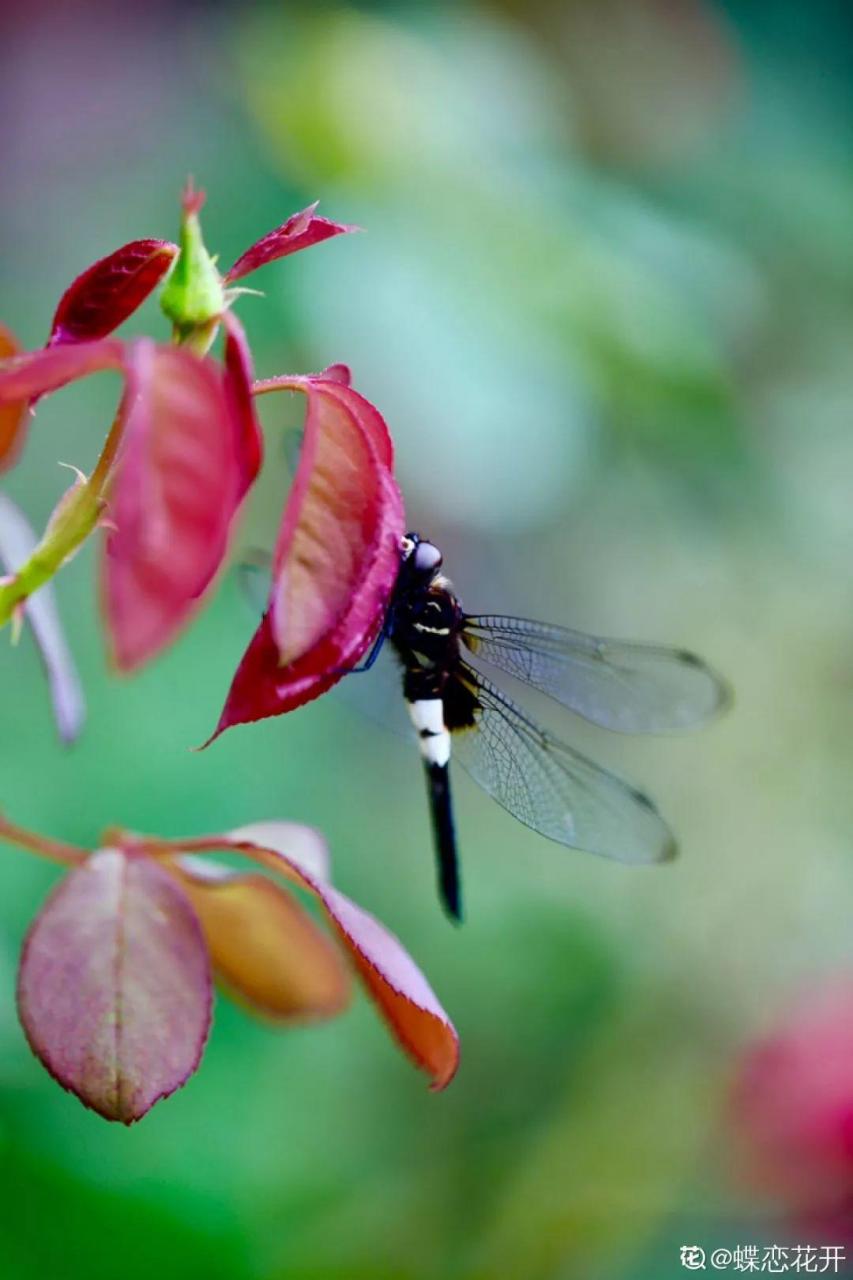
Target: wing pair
546 784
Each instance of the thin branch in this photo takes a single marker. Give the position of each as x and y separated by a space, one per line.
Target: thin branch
54 850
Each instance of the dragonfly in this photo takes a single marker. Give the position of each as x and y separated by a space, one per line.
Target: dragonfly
459 713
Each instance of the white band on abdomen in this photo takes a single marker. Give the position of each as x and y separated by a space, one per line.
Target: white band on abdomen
435 748
428 718
427 715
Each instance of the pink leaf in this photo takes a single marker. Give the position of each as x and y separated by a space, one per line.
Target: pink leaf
306 845
36 373
238 387
109 291
401 992
177 486
114 988
13 416
321 544
336 559
17 542
368 417
337 373
335 382
299 232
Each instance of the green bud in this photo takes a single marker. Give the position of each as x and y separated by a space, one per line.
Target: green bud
194 296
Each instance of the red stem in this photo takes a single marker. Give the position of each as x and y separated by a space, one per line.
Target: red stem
55 850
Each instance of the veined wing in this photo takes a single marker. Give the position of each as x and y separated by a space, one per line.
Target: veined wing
632 688
254 577
551 787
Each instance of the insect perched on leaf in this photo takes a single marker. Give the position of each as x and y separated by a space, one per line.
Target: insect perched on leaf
545 783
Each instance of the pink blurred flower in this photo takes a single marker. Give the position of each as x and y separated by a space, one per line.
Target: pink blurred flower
792 1107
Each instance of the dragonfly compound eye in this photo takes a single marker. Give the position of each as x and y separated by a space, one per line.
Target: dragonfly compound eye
427 558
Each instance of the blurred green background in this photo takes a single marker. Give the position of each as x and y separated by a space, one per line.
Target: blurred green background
605 301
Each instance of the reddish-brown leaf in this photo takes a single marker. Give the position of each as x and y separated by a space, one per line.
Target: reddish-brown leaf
336 558
299 232
114 988
177 485
265 948
400 991
109 291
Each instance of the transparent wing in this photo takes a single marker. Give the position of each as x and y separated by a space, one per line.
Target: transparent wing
254 576
291 447
632 688
552 788
377 694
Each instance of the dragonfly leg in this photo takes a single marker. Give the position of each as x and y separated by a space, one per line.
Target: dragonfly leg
371 657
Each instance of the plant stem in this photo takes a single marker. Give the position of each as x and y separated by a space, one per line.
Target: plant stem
100 475
55 850
75 517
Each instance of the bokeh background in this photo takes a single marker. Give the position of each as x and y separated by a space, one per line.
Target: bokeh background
605 301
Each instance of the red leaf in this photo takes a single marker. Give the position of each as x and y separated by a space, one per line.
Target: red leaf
401 992
368 417
36 373
336 559
339 516
262 688
109 291
25 378
238 387
335 381
337 373
13 416
177 486
299 232
114 988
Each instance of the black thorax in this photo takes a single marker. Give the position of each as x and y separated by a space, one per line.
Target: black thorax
426 622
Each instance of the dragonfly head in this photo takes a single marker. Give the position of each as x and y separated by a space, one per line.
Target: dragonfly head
422 558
